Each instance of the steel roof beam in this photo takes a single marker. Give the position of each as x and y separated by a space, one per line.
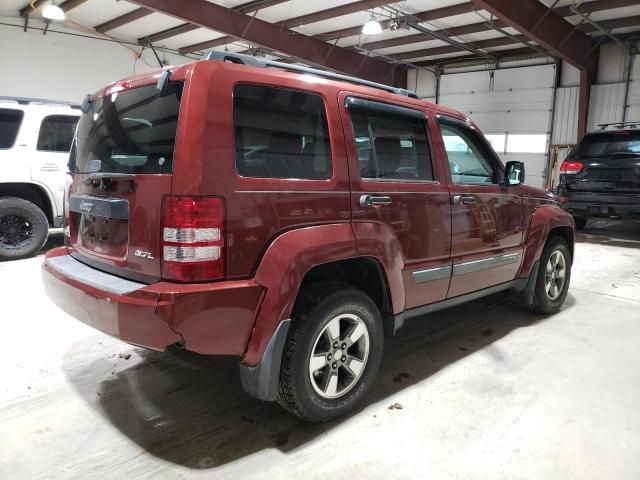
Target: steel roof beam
558 36
289 42
248 7
295 22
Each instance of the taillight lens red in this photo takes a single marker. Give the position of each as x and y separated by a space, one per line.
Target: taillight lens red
571 167
192 238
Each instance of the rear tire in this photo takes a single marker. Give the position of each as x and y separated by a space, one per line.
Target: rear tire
554 275
332 353
581 222
23 228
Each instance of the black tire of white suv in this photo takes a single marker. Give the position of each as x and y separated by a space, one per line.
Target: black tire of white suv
23 228
333 352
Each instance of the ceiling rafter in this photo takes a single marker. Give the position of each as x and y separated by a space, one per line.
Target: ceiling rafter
426 16
248 7
558 36
295 22
118 22
307 49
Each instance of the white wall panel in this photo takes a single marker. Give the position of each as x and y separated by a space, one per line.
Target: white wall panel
605 104
517 100
565 122
64 67
633 105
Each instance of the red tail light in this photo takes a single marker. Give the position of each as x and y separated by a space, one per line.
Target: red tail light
192 238
571 167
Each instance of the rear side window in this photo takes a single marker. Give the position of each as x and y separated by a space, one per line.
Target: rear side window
391 146
280 133
10 120
56 133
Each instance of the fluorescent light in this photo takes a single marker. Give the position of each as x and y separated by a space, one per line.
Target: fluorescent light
53 12
372 27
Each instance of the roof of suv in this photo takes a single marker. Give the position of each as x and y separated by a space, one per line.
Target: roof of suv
282 70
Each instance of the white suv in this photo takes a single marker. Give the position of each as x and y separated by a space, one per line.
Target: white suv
35 138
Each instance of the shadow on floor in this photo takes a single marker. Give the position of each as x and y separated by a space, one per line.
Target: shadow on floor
618 233
190 409
56 239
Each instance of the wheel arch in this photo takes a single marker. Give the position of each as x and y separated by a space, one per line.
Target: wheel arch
30 192
546 221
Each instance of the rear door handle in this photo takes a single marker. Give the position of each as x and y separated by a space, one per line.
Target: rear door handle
374 201
463 200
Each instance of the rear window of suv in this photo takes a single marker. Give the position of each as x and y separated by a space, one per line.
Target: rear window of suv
607 144
10 120
280 133
131 131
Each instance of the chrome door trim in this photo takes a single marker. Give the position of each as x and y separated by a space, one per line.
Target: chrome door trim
485 263
430 274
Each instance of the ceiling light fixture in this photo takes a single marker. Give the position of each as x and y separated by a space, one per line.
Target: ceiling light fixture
51 11
372 27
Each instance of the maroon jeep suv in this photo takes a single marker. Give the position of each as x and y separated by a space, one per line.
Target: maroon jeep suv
292 218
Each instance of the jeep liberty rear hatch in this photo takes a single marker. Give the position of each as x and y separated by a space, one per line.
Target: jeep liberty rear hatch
121 163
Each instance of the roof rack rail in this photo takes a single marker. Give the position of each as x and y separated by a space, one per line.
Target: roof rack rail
635 124
244 59
28 100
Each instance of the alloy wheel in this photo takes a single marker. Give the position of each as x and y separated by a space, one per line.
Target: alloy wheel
555 275
339 356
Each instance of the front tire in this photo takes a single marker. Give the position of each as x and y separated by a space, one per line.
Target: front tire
332 353
554 275
23 228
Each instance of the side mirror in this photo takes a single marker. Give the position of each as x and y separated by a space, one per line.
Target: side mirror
513 174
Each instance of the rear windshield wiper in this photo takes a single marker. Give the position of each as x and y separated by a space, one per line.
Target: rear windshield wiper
94 178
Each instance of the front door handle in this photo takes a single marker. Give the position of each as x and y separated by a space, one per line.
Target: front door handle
463 200
374 201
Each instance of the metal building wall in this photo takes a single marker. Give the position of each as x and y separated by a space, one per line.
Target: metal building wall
633 99
606 104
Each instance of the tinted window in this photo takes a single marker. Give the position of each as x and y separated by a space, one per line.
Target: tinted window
608 144
10 121
132 131
280 133
468 162
391 146
56 133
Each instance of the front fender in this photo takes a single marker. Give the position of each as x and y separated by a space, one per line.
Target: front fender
544 219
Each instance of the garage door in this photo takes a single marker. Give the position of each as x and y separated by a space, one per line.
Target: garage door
633 105
513 109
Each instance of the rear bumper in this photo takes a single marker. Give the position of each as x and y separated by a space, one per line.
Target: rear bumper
214 318
602 209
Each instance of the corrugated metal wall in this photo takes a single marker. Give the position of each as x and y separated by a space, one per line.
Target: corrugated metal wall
633 106
565 122
606 104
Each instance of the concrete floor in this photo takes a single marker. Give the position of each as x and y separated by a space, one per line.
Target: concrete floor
488 392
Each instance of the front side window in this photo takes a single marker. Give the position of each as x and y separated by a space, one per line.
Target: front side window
390 146
56 133
10 120
468 162
280 133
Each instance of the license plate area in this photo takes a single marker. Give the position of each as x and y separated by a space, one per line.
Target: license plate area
100 225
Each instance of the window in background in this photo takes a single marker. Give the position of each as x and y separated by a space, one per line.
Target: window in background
526 143
56 133
498 141
10 120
